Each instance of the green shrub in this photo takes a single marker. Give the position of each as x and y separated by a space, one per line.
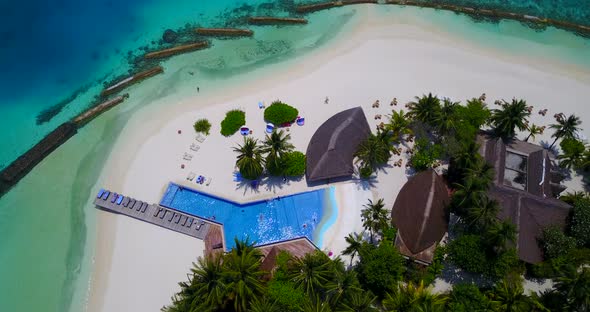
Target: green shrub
279 113
580 223
555 243
468 253
203 126
275 166
365 172
294 164
234 119
286 295
380 268
467 297
426 154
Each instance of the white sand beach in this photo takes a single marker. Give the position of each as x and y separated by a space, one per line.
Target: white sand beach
138 265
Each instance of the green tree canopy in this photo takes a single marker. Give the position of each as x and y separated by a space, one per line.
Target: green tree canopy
380 268
279 113
512 116
249 159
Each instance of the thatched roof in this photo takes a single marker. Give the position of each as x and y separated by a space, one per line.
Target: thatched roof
527 202
419 213
331 150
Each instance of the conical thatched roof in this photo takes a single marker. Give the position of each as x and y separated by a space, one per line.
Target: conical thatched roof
331 150
419 214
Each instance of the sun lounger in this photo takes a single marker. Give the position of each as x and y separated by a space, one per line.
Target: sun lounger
191 176
106 195
133 201
120 199
100 192
144 207
184 219
190 222
114 198
138 205
209 179
198 227
200 138
195 147
172 215
126 201
163 214
157 211
177 219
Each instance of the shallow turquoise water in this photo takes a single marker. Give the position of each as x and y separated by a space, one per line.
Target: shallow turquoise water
46 222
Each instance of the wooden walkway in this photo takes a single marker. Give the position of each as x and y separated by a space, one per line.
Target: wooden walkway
167 218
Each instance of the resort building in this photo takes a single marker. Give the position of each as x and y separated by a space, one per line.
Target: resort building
330 152
420 215
526 185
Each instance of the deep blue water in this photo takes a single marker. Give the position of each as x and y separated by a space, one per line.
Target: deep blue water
261 222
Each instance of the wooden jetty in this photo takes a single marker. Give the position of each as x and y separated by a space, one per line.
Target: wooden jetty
224 32
132 80
10 175
269 20
92 113
177 50
165 217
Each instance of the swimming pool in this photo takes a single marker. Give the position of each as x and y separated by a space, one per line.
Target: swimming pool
261 222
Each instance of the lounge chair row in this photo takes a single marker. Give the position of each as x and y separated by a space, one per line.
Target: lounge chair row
183 220
123 201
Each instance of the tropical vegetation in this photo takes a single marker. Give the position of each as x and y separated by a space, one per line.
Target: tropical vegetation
203 126
279 113
373 153
233 121
512 116
566 127
249 160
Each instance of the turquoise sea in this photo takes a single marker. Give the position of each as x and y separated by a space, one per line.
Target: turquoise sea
56 56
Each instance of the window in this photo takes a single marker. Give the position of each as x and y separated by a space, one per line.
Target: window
515 171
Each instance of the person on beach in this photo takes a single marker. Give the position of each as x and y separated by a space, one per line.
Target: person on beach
198 89
326 100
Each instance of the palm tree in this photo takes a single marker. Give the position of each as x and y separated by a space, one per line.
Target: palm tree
316 305
483 214
425 109
311 273
344 284
572 153
533 131
413 298
206 289
374 152
359 301
354 245
399 124
499 233
467 157
565 128
243 274
574 287
263 305
250 162
508 295
375 217
513 115
468 194
446 121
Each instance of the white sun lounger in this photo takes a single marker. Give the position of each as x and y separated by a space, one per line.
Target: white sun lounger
195 147
208 181
191 176
200 138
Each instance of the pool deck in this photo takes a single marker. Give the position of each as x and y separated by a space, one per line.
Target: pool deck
165 217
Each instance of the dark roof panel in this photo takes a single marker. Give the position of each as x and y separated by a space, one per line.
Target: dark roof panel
331 149
419 213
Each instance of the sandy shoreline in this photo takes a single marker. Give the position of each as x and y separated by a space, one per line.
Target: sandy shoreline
377 59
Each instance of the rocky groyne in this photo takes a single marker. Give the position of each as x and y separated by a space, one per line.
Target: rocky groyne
269 20
10 175
92 113
177 50
224 32
496 14
131 80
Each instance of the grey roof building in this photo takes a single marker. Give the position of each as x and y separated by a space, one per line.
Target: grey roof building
526 185
331 150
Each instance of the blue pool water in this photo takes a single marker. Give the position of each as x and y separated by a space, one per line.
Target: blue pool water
262 222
